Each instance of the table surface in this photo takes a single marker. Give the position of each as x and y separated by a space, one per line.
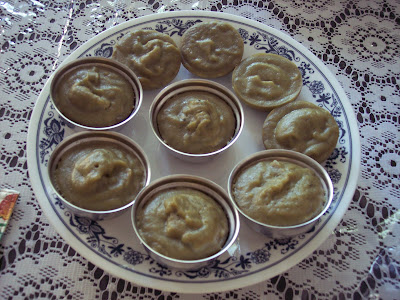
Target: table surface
358 42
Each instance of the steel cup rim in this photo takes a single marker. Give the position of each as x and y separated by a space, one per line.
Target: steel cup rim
175 180
291 156
79 138
106 62
203 85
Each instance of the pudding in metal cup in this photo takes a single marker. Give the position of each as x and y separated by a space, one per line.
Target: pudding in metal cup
97 174
196 119
185 221
96 93
280 193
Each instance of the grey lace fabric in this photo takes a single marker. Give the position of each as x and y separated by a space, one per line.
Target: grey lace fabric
359 41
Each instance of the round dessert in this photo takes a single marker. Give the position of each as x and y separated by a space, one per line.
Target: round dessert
98 176
196 122
153 56
211 49
303 127
85 93
265 81
278 193
183 223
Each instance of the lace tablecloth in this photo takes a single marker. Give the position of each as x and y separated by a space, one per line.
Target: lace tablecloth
359 41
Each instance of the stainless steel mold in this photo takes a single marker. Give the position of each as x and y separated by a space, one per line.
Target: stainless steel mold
289 156
196 85
96 136
204 185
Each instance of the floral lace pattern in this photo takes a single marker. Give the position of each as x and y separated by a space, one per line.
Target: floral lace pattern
357 40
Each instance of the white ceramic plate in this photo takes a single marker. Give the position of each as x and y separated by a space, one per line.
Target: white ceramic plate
112 244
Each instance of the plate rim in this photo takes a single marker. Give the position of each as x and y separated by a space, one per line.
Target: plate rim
197 287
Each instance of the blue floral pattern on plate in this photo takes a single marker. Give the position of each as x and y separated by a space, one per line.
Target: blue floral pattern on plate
96 235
